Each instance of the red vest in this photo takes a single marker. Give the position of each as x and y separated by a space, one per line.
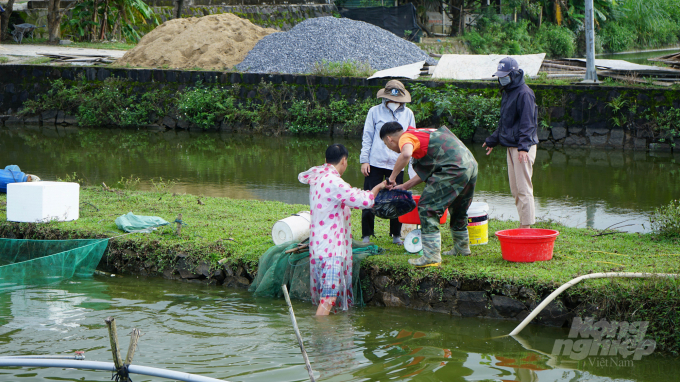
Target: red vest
423 136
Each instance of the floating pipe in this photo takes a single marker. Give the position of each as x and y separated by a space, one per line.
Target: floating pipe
561 289
106 366
75 357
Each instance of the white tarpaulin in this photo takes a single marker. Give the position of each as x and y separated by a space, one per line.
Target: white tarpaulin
481 67
411 71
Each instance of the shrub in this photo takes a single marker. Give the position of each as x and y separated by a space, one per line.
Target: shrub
656 22
557 41
343 69
112 102
206 106
493 35
668 124
309 117
465 111
617 37
666 220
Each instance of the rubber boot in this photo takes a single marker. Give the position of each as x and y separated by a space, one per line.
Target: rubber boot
432 247
461 244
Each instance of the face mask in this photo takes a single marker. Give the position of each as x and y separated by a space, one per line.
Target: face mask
504 81
393 106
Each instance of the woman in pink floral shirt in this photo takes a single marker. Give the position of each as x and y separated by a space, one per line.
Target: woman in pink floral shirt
330 241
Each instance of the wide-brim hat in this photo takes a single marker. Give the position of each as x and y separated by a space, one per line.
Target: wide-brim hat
395 91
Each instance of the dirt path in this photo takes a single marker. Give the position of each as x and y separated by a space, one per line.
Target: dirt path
33 50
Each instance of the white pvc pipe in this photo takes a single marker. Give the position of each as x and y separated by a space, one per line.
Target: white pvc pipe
106 366
76 357
561 289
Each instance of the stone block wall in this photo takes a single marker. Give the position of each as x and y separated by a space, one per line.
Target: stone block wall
465 298
583 116
570 115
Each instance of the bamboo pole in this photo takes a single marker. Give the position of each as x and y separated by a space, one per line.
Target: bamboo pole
134 338
115 349
297 333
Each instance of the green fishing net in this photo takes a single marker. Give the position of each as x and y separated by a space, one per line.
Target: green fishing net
278 268
39 262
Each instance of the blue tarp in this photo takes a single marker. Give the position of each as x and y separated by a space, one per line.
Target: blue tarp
11 174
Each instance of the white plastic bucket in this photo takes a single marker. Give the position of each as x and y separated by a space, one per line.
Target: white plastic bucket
292 228
478 223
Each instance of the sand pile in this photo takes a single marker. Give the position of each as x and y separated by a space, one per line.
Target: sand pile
209 42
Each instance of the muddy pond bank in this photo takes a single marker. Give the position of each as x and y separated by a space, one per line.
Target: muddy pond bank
224 239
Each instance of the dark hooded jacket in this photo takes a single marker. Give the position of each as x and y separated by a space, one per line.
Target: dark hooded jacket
519 116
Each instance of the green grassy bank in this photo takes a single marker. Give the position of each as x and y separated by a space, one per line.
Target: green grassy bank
240 231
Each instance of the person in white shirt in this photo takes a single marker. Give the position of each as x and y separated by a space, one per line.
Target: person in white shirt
377 161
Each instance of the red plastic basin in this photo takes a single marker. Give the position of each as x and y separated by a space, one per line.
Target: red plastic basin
526 245
413 217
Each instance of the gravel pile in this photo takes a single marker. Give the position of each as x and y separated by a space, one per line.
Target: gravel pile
333 40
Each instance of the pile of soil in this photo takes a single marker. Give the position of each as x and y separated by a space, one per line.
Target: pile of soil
209 42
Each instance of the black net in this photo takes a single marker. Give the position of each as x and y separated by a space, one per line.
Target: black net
397 20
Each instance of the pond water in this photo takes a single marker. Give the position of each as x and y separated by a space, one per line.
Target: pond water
640 57
578 187
226 334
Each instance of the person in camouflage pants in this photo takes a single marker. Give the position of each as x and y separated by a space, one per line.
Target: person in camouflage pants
449 171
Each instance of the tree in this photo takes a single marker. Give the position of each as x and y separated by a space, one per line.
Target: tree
54 15
4 20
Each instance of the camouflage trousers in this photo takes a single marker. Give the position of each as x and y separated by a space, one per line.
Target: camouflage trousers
450 173
443 192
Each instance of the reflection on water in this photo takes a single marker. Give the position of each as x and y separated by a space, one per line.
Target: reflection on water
226 334
578 187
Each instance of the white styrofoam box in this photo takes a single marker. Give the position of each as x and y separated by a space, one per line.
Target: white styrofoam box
37 202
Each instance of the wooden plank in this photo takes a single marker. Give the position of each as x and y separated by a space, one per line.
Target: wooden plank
636 80
565 67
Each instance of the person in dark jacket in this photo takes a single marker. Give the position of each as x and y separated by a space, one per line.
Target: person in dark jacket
517 131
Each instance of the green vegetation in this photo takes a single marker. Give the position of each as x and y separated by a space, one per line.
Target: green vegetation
281 108
94 20
465 110
666 220
114 102
240 230
109 103
38 61
203 106
557 27
312 117
342 69
4 60
444 45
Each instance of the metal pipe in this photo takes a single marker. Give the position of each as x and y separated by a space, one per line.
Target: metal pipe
105 366
564 287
